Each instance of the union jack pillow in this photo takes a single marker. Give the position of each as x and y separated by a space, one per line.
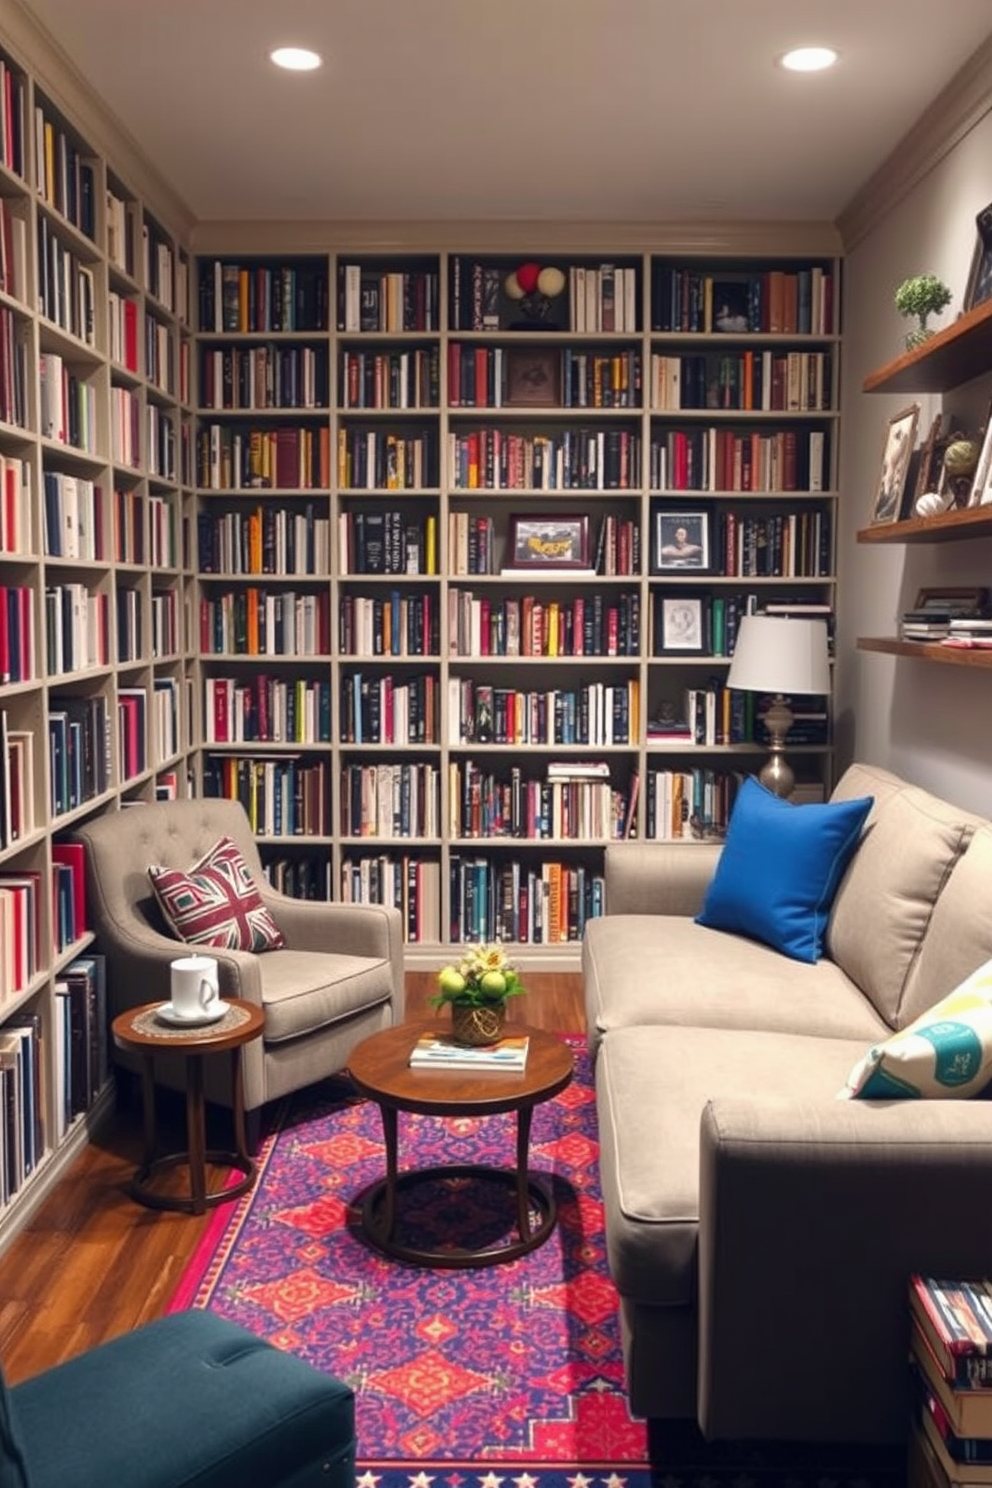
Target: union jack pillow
216 902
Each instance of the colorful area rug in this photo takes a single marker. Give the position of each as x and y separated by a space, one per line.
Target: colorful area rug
463 1378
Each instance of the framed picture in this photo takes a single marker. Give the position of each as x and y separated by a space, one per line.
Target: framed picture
549 542
979 285
533 377
981 485
954 601
681 540
900 441
928 470
680 623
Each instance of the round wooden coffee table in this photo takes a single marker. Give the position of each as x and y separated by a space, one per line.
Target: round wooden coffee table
380 1069
141 1031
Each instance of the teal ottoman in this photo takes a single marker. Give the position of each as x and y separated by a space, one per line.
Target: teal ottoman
189 1401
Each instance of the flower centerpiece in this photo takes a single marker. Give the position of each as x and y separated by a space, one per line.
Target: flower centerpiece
478 988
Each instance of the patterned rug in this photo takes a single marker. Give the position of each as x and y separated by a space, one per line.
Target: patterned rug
463 1378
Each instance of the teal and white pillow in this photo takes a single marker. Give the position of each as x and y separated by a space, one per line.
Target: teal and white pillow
944 1054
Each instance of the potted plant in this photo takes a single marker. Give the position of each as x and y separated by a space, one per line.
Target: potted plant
922 296
477 988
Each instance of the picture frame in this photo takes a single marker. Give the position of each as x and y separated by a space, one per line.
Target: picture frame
549 542
930 464
533 377
979 286
960 599
897 451
682 540
981 485
681 624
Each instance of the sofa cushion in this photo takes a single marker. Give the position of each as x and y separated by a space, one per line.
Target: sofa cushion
959 935
659 969
944 1054
306 990
780 867
216 902
652 1085
883 905
13 1472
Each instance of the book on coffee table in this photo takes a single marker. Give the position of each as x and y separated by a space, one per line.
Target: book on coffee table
439 1051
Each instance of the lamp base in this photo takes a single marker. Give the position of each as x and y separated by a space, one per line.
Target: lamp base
777 775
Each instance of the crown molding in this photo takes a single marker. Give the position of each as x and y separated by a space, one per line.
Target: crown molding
61 81
716 238
942 125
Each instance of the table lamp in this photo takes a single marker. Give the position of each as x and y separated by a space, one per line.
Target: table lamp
779 656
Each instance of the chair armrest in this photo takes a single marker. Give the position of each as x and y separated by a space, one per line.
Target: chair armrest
659 877
350 929
141 968
812 1218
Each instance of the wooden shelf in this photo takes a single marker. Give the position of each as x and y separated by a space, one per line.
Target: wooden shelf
954 355
951 526
921 651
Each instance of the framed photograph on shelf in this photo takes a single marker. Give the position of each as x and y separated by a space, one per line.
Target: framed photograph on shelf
979 285
680 623
964 600
900 441
681 540
533 377
981 485
549 542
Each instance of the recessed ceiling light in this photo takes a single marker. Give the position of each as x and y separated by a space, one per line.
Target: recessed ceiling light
296 59
808 59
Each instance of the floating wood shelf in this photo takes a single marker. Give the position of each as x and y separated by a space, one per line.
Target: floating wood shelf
921 651
951 526
952 356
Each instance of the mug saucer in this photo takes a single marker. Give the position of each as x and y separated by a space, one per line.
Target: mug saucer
168 1014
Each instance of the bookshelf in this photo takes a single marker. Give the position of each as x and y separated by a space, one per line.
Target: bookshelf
94 711
949 359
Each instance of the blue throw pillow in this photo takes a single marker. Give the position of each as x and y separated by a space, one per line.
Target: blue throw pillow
780 868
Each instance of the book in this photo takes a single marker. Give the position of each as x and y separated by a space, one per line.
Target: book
967 1408
956 1319
960 1472
440 1051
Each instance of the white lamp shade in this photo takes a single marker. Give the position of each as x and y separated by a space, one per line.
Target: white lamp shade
773 654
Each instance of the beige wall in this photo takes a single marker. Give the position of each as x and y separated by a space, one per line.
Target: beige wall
928 722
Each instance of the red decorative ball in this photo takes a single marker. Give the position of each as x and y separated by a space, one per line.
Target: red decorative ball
527 277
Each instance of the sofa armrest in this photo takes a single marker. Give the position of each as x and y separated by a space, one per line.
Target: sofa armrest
666 878
812 1218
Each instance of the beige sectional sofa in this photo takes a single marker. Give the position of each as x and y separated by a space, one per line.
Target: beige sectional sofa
760 1231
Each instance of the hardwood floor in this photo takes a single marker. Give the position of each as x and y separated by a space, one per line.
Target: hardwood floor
92 1263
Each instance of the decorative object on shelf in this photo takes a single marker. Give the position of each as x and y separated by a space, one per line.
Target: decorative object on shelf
477 988
680 623
928 465
979 285
533 377
533 289
900 438
981 483
932 503
682 540
922 296
958 468
787 658
549 542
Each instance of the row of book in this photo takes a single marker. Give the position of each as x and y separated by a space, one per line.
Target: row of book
17 633
379 709
409 379
22 892
16 505
391 624
246 378
716 458
259 622
283 795
498 377
524 625
17 782
144 526
160 359
412 884
772 382
13 371
264 540
596 714
380 460
80 751
259 297
66 285
575 806
390 800
495 459
67 405
536 904
389 541
231 457
77 628
266 709
772 302
371 299
73 509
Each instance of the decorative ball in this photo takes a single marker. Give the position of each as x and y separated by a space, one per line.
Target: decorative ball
961 457
551 282
512 287
931 503
527 276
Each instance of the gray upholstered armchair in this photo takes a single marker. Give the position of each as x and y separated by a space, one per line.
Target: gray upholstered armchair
338 978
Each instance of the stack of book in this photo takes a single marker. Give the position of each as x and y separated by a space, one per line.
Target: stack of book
969 633
439 1051
951 1369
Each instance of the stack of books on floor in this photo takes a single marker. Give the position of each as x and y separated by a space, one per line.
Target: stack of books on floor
440 1051
951 1381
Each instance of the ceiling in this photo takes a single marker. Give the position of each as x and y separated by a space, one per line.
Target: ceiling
575 110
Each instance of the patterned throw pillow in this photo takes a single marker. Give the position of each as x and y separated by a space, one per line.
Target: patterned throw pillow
944 1054
216 902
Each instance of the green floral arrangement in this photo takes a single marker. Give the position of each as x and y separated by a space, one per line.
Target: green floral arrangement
482 978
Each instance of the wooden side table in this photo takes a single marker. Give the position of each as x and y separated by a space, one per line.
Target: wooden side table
141 1031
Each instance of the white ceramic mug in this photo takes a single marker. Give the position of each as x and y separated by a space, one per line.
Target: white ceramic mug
195 986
